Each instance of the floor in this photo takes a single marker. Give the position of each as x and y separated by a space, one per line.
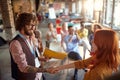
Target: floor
5 72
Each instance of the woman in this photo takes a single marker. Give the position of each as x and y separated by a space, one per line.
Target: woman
95 27
38 47
64 32
36 35
105 59
51 34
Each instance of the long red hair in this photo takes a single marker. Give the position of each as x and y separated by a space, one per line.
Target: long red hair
107 48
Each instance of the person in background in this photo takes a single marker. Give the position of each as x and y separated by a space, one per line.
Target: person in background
37 35
58 21
72 47
37 42
83 34
94 27
105 60
64 32
24 61
51 34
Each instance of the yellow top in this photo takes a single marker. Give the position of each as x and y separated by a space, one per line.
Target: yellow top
83 33
100 72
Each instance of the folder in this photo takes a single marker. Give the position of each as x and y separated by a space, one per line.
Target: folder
54 54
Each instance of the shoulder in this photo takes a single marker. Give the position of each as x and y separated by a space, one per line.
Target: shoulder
14 42
15 45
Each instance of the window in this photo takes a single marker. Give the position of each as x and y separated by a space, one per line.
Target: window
111 15
89 9
108 13
116 18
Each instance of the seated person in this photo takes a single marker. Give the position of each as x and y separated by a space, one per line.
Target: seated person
72 46
83 34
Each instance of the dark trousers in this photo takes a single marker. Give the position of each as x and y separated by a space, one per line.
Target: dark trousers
43 77
74 56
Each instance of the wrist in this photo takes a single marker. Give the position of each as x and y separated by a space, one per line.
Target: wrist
42 70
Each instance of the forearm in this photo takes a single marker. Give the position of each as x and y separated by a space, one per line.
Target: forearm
78 37
54 36
31 69
67 66
70 39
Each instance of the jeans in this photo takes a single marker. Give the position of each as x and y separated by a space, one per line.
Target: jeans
75 56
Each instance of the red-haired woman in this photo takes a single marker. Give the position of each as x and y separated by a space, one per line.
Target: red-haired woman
104 62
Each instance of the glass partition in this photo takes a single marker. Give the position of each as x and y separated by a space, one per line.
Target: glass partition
116 18
108 13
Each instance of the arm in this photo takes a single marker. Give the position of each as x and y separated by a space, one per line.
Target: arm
54 34
40 46
77 64
67 66
20 59
83 63
70 39
78 37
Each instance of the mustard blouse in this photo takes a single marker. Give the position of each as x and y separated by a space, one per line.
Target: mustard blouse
100 72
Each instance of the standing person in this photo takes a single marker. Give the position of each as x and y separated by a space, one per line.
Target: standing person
58 21
37 42
37 35
64 32
105 60
83 34
72 47
24 62
51 34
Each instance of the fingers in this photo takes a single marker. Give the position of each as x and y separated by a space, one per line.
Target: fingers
52 70
45 59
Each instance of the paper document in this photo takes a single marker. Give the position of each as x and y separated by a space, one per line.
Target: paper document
54 54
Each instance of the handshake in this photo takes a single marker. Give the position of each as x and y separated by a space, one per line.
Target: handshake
52 70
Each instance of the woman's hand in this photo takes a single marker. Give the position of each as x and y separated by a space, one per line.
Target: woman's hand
52 70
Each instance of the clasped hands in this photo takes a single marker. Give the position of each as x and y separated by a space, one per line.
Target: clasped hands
53 70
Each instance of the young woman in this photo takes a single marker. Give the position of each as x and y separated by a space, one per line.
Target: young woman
105 60
94 27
